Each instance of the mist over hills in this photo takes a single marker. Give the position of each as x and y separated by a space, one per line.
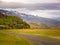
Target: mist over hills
31 19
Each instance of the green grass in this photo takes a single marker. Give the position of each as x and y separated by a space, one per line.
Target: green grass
11 39
6 39
46 32
53 34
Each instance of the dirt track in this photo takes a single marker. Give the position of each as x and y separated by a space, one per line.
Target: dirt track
39 40
35 40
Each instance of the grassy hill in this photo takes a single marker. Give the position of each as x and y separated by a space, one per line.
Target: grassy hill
38 26
12 22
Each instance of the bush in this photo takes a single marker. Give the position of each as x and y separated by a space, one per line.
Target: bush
13 22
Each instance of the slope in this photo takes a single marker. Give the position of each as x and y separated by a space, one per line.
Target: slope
12 22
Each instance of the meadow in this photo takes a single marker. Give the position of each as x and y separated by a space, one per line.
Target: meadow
40 32
8 37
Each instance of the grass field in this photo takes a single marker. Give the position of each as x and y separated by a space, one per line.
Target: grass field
46 32
6 39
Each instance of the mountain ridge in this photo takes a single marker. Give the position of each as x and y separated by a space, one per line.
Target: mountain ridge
34 19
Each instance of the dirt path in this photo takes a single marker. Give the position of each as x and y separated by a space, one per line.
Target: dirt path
39 40
35 40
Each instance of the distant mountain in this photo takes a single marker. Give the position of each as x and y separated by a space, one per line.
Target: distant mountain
38 26
7 12
40 20
34 19
12 22
57 18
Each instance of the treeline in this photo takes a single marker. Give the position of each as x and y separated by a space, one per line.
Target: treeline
12 22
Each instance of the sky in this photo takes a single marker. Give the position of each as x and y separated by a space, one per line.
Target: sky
32 1
38 4
42 8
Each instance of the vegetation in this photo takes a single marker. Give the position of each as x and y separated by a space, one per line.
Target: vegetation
38 26
12 22
9 36
40 32
6 39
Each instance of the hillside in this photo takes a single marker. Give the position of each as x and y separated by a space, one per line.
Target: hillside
50 23
12 22
38 26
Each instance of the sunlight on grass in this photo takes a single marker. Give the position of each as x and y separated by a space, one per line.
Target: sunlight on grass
47 32
6 39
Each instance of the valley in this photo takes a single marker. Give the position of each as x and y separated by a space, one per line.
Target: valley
29 22
18 28
29 37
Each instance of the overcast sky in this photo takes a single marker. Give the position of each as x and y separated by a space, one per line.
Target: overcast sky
32 1
50 5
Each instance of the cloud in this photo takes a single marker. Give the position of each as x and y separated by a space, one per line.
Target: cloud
33 1
36 6
53 5
42 13
53 14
